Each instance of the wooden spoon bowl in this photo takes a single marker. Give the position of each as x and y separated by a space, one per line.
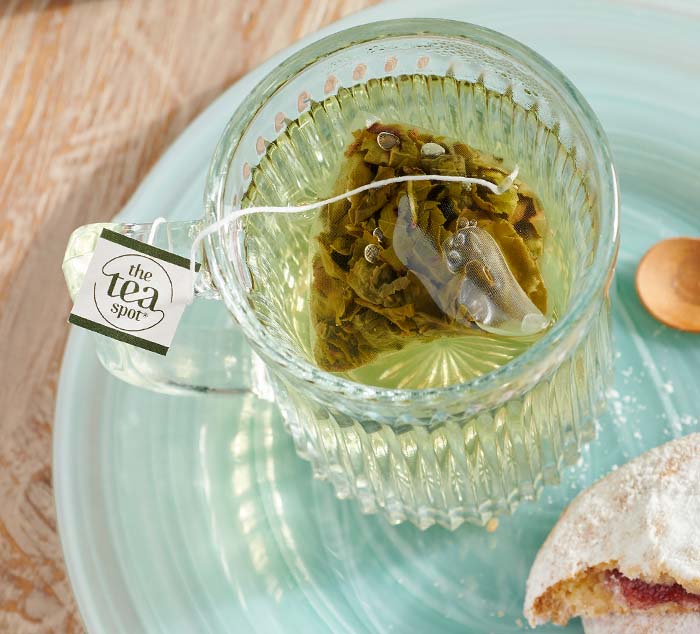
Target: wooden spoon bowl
668 283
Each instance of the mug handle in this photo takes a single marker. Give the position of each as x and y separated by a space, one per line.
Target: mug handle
209 352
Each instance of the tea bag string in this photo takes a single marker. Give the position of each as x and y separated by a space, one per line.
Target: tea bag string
160 220
233 215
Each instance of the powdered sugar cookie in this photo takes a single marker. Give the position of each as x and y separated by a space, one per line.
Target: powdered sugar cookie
628 544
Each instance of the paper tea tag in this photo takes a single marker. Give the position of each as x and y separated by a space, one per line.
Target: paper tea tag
133 292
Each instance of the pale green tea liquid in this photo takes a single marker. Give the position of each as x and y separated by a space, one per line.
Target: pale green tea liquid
302 165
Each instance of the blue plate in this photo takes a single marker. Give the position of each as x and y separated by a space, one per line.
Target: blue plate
182 515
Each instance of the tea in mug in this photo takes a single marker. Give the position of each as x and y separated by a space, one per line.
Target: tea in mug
411 285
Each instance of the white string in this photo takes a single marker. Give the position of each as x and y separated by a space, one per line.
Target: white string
154 227
235 214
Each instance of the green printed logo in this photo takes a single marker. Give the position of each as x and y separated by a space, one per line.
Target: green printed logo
128 292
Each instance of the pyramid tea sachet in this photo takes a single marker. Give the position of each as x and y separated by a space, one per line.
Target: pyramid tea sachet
423 259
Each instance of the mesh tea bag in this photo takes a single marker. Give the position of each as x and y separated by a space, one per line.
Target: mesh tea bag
447 243
467 277
489 292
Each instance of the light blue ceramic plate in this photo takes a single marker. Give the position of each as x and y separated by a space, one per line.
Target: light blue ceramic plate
195 515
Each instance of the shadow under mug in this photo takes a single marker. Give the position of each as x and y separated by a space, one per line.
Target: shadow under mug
464 452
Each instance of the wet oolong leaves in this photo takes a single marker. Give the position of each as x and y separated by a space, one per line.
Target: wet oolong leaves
383 273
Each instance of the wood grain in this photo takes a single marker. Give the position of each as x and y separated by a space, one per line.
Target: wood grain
91 93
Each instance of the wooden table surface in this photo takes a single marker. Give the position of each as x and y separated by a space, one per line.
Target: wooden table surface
91 93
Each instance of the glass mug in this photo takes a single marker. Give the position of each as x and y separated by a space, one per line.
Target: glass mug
464 452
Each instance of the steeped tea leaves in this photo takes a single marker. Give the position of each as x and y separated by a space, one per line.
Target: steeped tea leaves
423 259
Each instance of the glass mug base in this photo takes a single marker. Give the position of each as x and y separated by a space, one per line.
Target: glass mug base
463 469
465 452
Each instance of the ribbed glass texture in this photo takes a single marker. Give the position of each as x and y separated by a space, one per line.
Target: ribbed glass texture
461 450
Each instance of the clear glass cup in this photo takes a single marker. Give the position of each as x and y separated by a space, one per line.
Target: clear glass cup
464 452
